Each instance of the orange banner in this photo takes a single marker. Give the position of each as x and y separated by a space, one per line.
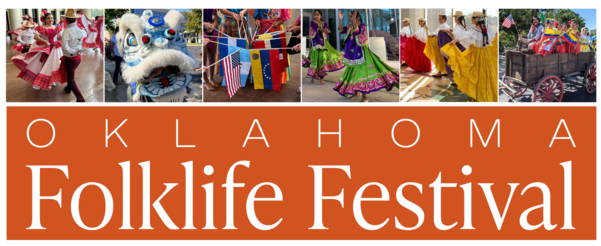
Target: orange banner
301 173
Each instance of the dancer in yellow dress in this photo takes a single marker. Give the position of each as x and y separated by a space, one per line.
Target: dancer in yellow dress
476 69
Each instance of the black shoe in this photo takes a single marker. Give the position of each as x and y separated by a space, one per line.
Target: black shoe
67 89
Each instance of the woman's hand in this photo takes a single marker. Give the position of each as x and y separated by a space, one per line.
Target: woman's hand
340 14
243 13
297 47
454 41
208 26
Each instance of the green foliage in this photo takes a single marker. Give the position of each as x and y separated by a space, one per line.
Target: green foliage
110 16
97 12
194 20
523 22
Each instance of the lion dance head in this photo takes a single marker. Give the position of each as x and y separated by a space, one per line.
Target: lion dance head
156 62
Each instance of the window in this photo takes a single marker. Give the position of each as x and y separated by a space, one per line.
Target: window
34 15
25 12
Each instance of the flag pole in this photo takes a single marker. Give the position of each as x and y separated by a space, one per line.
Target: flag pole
223 58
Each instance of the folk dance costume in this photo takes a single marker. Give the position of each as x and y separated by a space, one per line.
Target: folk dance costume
99 24
432 50
323 57
572 42
40 66
585 41
475 69
72 40
406 33
91 32
364 72
229 26
414 52
25 39
269 16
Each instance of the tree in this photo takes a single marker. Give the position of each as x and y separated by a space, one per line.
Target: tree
97 12
193 20
110 16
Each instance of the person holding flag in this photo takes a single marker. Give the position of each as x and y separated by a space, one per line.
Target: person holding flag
323 57
230 24
364 72
270 20
571 38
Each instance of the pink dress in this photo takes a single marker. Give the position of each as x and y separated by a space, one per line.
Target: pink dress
90 41
41 65
100 37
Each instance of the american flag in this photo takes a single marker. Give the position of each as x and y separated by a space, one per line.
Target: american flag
508 21
231 72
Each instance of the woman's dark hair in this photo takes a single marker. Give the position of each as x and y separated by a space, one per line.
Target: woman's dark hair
357 15
481 22
96 18
44 17
318 11
462 21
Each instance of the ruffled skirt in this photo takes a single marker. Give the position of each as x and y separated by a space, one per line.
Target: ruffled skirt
17 47
371 75
90 41
41 65
432 51
323 61
415 57
475 70
403 44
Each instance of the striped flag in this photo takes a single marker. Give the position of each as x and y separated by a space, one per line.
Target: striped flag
276 40
231 72
224 43
508 21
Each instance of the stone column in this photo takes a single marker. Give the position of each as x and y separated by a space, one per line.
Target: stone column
14 18
88 13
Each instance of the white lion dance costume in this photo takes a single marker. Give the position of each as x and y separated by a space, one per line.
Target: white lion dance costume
155 57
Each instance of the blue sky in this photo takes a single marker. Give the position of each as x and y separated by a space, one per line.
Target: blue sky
589 15
181 10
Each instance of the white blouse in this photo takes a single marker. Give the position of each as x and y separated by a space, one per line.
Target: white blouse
474 37
421 35
443 26
406 32
26 37
458 32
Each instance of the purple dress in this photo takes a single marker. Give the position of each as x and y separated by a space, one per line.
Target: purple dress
443 39
323 57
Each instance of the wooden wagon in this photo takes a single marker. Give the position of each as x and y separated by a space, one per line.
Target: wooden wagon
547 74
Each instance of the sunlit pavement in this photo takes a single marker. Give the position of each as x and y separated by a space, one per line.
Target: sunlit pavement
315 92
422 87
89 77
571 92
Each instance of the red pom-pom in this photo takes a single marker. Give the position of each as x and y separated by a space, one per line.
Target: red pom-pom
145 39
171 31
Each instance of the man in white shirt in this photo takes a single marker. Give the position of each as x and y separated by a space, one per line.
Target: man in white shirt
442 20
72 38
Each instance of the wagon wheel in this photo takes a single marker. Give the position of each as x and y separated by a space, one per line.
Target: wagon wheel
590 78
548 89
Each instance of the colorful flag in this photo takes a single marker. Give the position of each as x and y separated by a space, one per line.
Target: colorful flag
276 40
569 38
244 62
266 69
231 71
549 38
508 21
224 43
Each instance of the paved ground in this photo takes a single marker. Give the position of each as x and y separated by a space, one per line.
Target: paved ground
422 87
119 94
288 92
571 92
88 76
324 93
